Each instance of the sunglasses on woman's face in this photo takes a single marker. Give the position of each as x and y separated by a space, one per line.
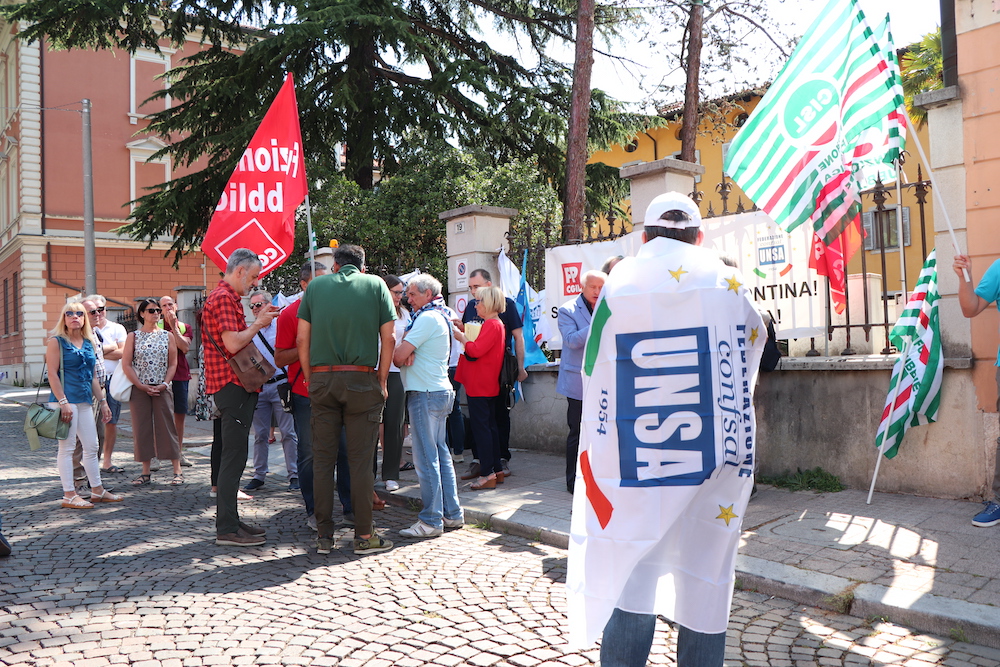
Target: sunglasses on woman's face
75 313
155 311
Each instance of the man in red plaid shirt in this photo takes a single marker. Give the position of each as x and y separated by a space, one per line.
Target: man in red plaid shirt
224 324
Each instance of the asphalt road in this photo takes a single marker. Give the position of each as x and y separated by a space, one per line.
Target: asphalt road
142 582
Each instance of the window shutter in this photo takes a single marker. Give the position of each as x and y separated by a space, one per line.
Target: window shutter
906 225
867 221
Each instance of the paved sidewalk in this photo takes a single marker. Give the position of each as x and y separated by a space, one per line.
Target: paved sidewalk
914 561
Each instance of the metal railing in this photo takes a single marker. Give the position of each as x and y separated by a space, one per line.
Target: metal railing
875 321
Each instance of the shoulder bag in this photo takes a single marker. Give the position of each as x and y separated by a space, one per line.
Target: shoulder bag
120 386
250 366
42 420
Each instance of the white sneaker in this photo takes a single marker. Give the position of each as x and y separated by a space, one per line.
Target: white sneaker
421 529
240 495
458 458
213 494
311 521
391 485
455 523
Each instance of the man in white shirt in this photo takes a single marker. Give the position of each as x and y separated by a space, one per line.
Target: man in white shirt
113 336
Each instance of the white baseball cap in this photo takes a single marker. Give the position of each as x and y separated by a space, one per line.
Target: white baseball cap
672 201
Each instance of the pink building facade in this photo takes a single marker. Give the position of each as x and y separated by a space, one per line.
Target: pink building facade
41 188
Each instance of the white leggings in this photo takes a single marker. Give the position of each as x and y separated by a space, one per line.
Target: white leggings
84 426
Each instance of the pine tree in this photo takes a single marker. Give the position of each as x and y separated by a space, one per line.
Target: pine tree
367 73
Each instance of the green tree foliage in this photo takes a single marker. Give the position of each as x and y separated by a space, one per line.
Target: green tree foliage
397 222
367 73
921 67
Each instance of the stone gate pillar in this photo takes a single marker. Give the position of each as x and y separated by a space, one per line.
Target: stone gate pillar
649 179
475 235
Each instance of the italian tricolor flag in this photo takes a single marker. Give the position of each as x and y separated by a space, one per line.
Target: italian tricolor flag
915 388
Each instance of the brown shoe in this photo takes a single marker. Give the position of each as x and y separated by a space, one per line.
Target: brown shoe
473 471
240 538
252 530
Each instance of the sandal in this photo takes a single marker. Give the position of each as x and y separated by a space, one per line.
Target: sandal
76 503
142 480
106 497
113 470
177 480
406 466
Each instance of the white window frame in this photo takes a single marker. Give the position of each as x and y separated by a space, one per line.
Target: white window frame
140 152
148 56
868 224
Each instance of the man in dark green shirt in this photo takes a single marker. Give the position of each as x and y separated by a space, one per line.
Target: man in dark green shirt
343 318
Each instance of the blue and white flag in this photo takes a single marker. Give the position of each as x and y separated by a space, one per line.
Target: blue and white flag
667 442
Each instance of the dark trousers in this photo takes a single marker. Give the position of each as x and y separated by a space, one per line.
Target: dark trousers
392 421
216 450
302 414
502 416
456 421
237 406
354 400
482 420
574 414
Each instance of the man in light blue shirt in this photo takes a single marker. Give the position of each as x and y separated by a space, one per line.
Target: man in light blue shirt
974 302
422 358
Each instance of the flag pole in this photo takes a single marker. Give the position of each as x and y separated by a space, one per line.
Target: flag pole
892 408
944 210
309 228
899 229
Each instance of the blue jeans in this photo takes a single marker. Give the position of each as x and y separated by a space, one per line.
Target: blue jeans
268 406
628 638
431 458
456 420
302 413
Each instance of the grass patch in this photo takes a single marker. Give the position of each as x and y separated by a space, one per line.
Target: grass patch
958 634
816 479
841 602
414 505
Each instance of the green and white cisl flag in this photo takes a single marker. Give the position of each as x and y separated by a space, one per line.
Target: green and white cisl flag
667 441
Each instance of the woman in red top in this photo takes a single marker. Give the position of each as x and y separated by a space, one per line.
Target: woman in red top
479 372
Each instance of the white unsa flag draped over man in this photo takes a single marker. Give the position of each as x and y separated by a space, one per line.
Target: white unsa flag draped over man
667 441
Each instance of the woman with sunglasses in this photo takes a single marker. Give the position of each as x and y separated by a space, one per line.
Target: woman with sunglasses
150 361
71 357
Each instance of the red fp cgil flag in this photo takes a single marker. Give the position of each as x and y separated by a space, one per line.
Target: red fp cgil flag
257 207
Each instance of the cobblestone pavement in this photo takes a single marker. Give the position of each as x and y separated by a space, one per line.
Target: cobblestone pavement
142 582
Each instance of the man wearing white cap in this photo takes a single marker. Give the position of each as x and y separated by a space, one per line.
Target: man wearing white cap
666 446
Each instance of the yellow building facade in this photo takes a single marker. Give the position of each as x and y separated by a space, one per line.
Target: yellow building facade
718 195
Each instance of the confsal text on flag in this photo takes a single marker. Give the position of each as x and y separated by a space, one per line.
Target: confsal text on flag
827 115
667 441
257 206
915 388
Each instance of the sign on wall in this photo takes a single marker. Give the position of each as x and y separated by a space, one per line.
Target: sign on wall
461 273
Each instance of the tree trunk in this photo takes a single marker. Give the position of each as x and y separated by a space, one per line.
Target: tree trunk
689 126
579 120
360 128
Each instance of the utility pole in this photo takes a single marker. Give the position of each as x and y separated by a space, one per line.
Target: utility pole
89 250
